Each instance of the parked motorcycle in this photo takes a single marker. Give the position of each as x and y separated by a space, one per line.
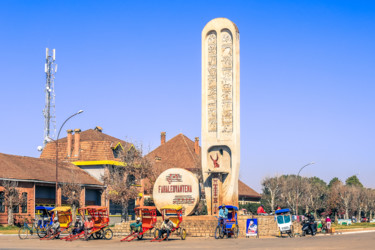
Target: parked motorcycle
309 228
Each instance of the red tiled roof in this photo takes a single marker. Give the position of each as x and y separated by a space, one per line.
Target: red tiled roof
94 146
245 190
178 152
36 169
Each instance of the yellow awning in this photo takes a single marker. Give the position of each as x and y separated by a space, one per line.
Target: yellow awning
172 207
61 209
93 163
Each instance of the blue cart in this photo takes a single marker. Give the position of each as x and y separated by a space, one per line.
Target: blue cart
43 218
230 226
284 222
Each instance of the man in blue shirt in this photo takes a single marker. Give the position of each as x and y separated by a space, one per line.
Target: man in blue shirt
223 215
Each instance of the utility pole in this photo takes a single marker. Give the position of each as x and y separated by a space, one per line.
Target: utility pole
50 68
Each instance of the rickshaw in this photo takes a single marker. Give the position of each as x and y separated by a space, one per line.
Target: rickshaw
100 217
231 224
43 219
174 212
284 222
148 216
64 215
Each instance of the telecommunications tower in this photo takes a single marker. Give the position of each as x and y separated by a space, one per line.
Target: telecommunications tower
50 68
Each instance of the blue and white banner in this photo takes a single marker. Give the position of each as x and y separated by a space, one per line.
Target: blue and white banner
252 227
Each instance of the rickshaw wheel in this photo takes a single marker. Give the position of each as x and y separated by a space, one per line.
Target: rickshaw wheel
140 236
98 235
156 233
236 231
108 234
183 234
219 233
42 232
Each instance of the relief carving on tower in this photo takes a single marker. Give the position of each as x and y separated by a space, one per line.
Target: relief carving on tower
212 81
227 81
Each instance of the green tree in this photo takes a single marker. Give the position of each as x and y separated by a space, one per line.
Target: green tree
353 181
316 194
251 207
333 181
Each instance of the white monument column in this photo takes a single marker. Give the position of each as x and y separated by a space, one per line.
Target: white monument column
220 113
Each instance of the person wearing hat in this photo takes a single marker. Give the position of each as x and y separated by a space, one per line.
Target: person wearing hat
136 226
223 215
166 227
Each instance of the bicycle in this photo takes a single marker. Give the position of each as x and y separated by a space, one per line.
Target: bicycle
25 230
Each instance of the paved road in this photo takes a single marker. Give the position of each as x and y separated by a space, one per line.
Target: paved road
346 241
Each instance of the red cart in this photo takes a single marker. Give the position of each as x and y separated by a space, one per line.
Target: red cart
148 215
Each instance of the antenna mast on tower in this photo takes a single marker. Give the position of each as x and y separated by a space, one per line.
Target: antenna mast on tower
50 69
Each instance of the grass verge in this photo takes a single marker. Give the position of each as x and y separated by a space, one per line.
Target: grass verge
354 226
8 229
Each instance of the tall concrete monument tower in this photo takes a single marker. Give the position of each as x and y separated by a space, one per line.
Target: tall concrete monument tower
220 113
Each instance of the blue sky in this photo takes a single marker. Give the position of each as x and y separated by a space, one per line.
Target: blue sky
134 67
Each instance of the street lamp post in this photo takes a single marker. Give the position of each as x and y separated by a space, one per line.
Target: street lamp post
57 154
308 164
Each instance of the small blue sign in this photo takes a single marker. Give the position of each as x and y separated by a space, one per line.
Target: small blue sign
252 227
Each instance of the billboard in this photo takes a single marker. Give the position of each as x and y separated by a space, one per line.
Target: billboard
251 227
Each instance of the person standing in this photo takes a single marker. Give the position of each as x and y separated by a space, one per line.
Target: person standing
328 223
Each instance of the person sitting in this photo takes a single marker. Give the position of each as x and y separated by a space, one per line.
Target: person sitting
260 210
55 228
89 224
223 215
78 226
166 227
136 227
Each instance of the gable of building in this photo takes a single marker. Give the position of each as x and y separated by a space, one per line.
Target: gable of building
94 148
178 152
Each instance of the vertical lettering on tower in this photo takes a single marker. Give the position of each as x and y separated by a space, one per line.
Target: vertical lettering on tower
212 81
226 81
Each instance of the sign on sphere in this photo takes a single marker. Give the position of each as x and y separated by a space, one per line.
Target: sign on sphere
176 186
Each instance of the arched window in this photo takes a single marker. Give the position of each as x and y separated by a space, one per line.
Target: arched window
2 205
24 203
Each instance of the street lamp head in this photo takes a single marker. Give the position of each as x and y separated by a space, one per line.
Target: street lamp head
79 112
